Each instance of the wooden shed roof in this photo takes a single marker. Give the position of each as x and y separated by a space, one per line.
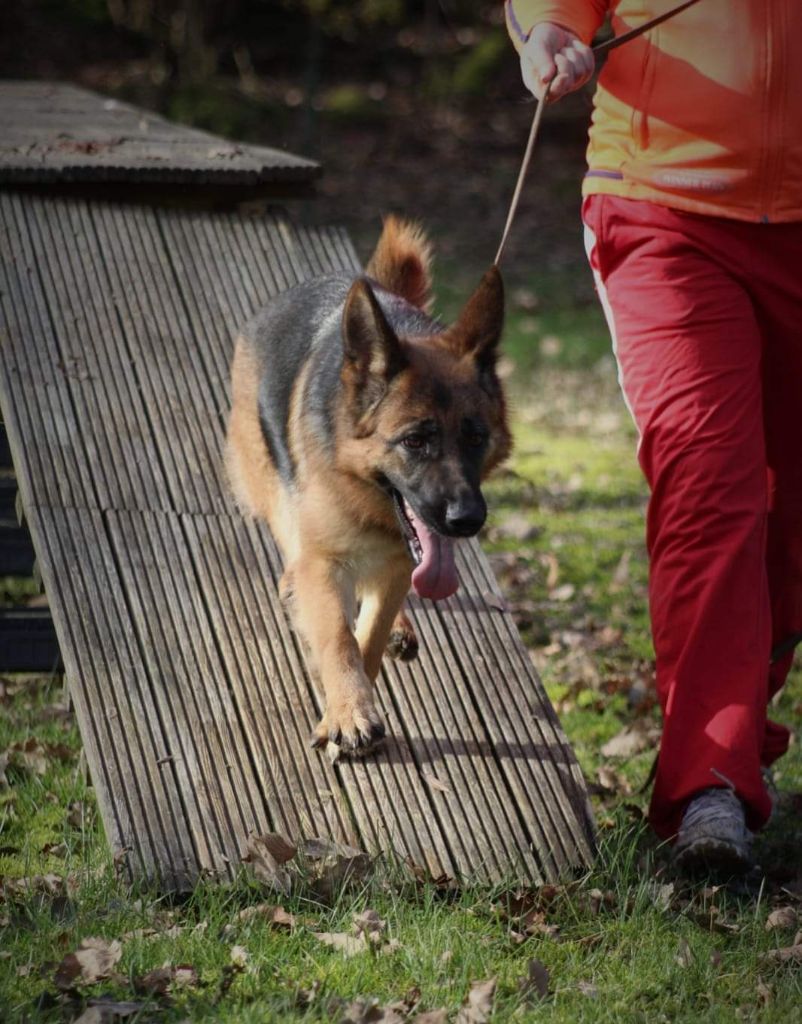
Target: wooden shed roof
52 132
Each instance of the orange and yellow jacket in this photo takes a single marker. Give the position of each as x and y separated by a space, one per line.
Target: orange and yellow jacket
702 113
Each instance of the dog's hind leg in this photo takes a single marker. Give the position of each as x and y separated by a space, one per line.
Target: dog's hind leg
325 605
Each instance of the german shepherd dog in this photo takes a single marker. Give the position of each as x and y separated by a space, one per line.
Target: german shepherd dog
361 429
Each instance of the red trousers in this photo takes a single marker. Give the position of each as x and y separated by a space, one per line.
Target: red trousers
706 319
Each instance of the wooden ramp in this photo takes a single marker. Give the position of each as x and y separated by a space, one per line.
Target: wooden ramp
189 686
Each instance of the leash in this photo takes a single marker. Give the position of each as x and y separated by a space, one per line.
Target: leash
602 48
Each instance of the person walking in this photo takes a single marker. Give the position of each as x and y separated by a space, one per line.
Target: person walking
692 206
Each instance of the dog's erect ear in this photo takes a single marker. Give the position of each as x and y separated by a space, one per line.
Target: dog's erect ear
478 328
372 353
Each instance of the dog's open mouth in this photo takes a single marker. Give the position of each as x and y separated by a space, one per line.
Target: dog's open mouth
435 572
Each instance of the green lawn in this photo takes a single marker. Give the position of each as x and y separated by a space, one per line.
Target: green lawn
627 943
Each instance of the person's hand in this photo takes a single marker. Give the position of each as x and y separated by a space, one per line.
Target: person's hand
553 54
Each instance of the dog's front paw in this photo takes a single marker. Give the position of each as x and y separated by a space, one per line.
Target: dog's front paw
353 726
402 644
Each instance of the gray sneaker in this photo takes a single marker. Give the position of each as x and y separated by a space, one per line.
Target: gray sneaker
713 835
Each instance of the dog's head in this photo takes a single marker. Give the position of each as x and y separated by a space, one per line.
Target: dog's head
428 419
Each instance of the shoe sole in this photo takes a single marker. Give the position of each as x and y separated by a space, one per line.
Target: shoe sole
712 856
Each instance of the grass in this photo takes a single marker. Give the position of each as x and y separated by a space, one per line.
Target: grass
626 943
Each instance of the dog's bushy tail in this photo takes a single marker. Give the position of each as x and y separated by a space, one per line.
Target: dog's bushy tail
402 260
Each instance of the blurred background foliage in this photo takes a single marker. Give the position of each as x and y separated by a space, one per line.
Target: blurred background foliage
413 106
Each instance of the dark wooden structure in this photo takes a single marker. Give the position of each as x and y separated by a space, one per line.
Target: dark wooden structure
189 686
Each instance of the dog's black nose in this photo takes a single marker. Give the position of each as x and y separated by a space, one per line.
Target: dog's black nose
466 515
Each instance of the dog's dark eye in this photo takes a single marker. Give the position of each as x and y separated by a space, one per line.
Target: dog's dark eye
474 437
414 442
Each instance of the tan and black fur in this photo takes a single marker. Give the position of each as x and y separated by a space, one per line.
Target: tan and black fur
347 398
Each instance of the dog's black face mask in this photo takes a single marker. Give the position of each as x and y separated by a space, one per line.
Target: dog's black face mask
431 411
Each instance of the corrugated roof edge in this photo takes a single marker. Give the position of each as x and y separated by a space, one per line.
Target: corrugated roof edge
102 127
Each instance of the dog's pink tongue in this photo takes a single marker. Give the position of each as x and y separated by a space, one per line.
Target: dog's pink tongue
436 575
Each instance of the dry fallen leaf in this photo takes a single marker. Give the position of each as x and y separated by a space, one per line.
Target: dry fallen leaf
350 945
107 1010
276 916
367 1011
430 1017
632 739
587 988
517 526
478 1004
620 577
613 781
712 921
435 783
162 980
332 864
684 956
782 917
80 814
662 894
35 756
267 856
94 960
369 924
95 1015
536 981
239 956
785 955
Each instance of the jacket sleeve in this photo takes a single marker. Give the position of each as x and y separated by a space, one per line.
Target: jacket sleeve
583 17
